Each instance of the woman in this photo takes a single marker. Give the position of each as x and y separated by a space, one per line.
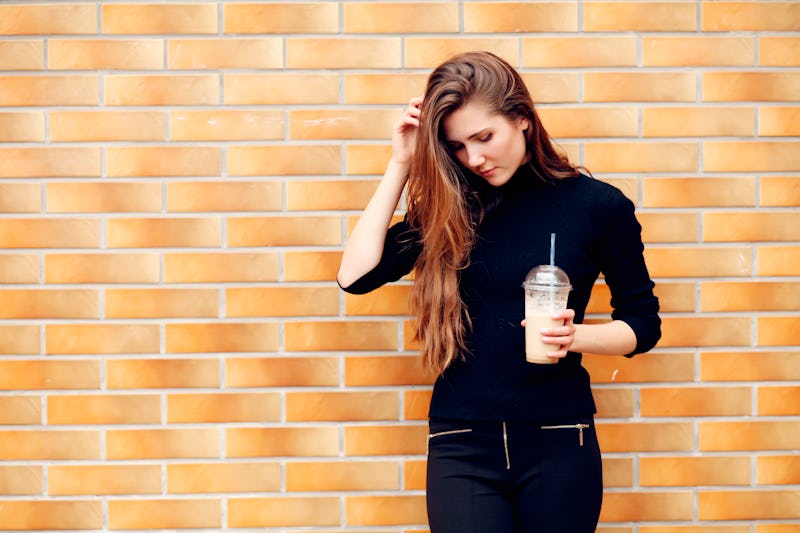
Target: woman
512 446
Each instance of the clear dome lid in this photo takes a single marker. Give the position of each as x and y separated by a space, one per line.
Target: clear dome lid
548 276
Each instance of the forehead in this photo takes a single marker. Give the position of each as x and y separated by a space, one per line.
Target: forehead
469 119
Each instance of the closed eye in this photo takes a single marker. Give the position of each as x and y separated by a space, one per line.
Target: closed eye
486 138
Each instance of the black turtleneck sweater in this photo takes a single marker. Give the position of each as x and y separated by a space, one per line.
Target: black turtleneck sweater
596 232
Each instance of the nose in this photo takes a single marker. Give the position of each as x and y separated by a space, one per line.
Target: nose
475 158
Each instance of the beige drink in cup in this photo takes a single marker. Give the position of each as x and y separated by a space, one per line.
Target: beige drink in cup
546 291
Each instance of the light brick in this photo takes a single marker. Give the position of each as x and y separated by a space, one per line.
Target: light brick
639 16
395 88
345 53
694 529
733 86
105 54
698 192
281 88
103 409
698 51
702 331
223 477
161 90
80 126
284 512
38 445
101 268
429 52
646 506
281 301
162 444
329 195
161 303
672 297
150 514
645 436
283 160
367 158
49 375
19 19
342 476
749 296
282 372
49 303
18 410
641 157
698 122
162 373
163 232
116 197
21 55
778 469
779 330
49 90
320 441
779 51
224 53
20 198
284 231
19 268
221 337
695 401
562 51
340 336
159 18
51 515
564 122
749 366
213 267
515 17
341 406
746 436
49 162
321 124
385 440
157 161
778 401
640 86
699 262
386 300
753 16
225 125
751 226
21 126
778 260
75 339
614 403
277 17
94 480
220 408
400 17
553 87
748 504
21 480
385 510
779 121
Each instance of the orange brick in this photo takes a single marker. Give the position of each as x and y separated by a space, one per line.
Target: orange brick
778 401
71 339
49 303
321 124
698 262
320 441
385 440
103 197
21 55
283 160
751 226
748 505
778 469
394 88
18 19
614 403
19 410
105 54
414 473
101 268
749 296
104 409
284 512
163 232
746 366
590 122
779 51
698 122
18 268
20 198
148 514
646 506
282 88
221 337
641 157
778 331
617 472
21 126
694 529
163 161
730 86
341 406
91 480
698 192
277 17
49 162
311 266
50 90
162 443
49 375
367 159
78 126
555 87
161 89
639 16
416 404
281 301
385 510
21 480
35 445
162 303
699 51
282 372
385 370
758 16
328 195
284 231
161 373
342 476
227 407
387 300
778 260
51 515
778 121
672 297
213 267
224 53
429 52
340 336
640 86
696 401
330 53
225 125
159 18
514 17
697 331
744 436
223 477
400 17
645 437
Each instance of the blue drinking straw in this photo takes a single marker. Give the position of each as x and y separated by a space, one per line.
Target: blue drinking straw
552 250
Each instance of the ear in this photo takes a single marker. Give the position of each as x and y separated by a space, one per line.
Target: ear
523 124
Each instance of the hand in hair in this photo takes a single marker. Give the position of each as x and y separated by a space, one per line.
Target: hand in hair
404 133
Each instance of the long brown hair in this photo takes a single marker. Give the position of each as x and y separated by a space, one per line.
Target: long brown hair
440 190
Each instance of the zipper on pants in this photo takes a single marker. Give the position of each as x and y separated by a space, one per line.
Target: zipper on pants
579 427
440 433
505 446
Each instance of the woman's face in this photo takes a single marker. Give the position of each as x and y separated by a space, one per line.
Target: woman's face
488 144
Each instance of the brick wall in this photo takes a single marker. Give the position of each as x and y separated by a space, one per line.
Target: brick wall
176 183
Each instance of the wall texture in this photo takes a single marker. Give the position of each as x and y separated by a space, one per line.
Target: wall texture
176 183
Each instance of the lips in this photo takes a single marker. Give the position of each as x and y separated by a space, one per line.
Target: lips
487 173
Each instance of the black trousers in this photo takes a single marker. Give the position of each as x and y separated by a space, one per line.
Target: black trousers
515 477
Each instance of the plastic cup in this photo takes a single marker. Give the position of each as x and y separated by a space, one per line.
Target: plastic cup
546 291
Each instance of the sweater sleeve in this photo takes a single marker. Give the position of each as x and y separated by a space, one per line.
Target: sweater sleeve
401 249
626 275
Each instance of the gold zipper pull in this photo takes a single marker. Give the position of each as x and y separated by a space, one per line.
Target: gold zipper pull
580 435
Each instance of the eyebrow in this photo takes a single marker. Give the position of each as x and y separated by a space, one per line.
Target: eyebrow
476 134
